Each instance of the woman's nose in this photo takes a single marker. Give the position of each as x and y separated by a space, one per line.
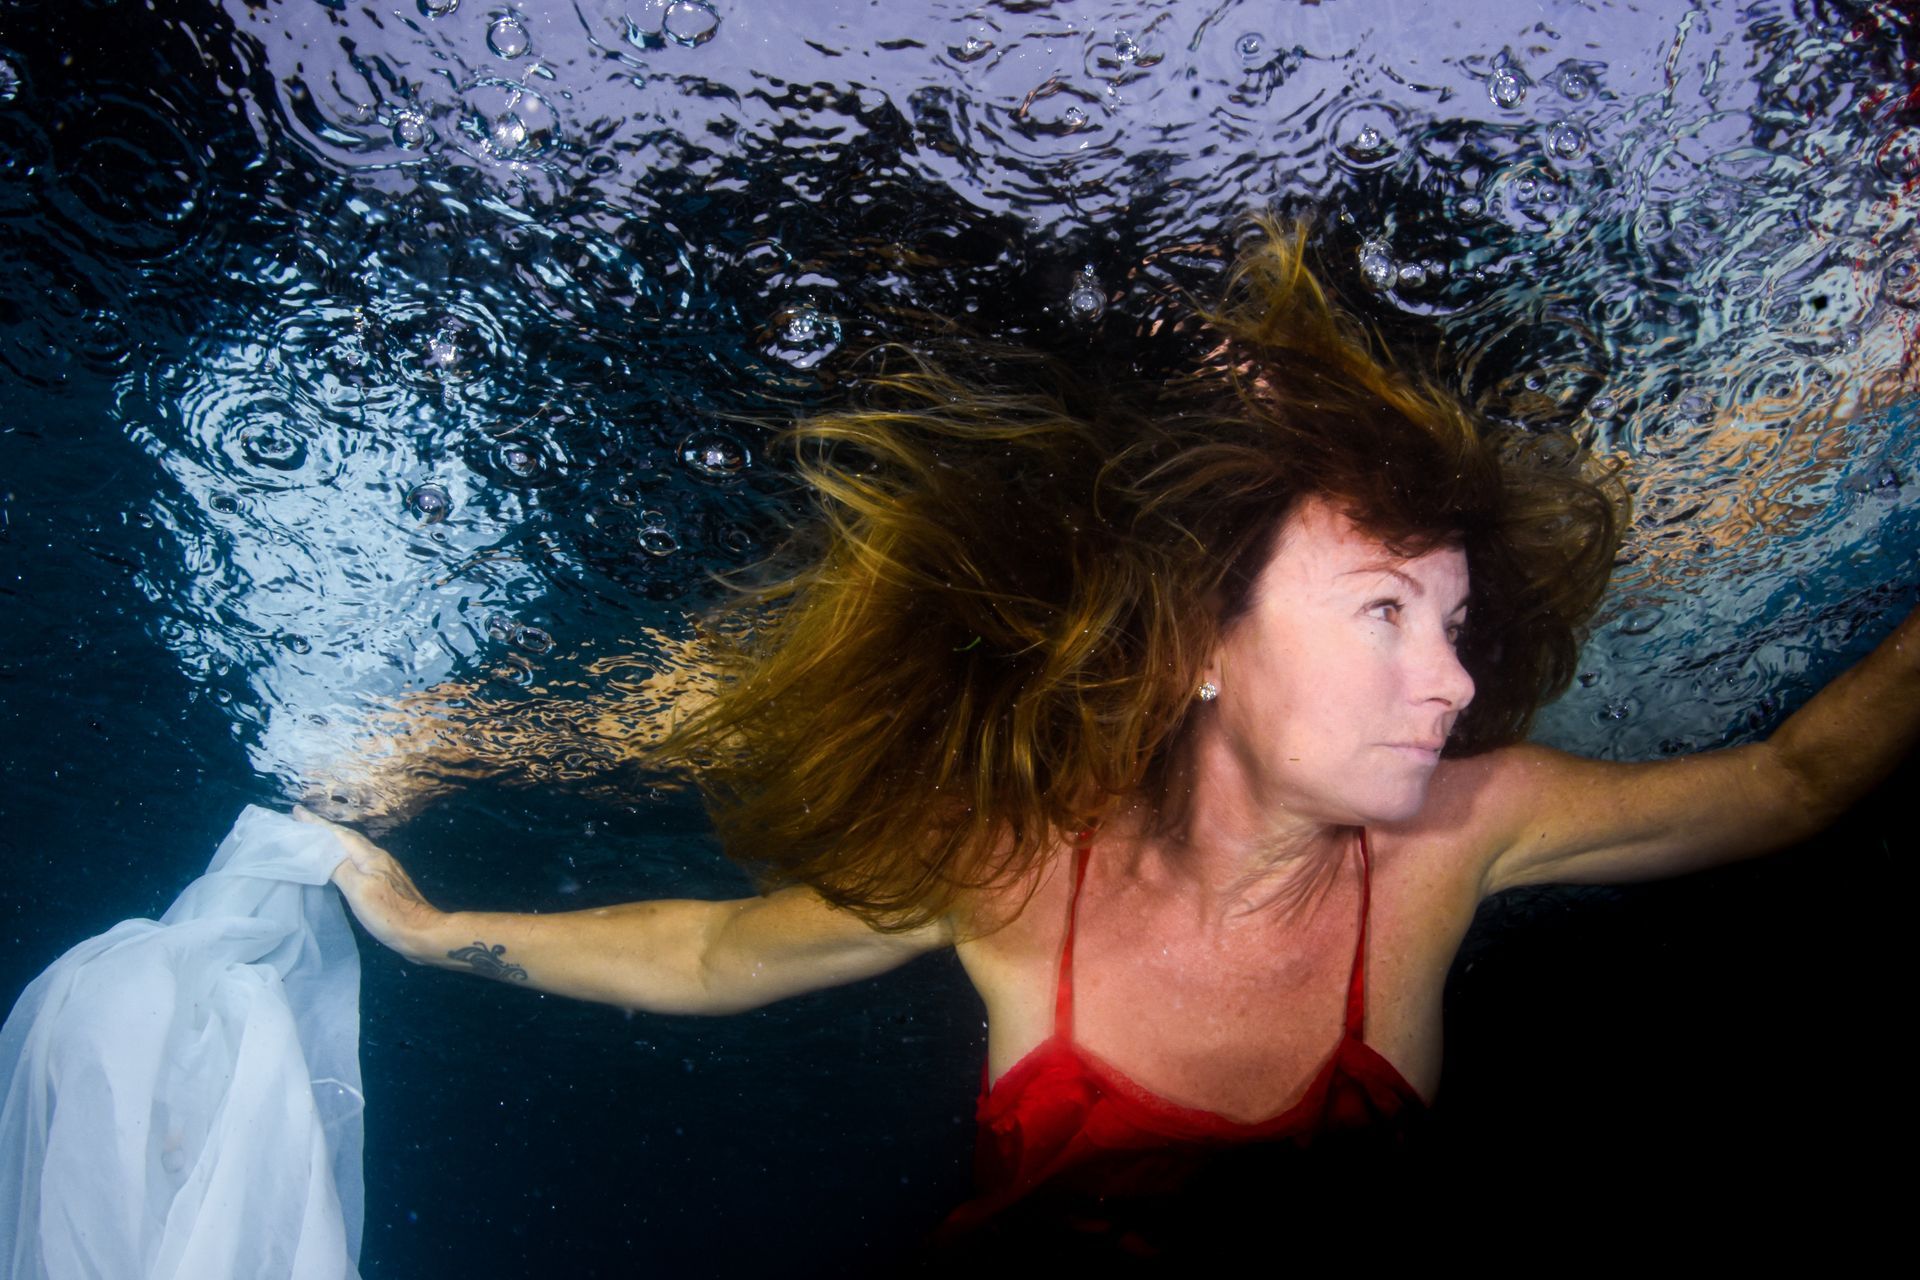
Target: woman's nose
1446 679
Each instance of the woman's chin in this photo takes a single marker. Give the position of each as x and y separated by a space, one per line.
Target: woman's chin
1402 804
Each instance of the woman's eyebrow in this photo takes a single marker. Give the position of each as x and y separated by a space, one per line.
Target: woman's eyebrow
1414 586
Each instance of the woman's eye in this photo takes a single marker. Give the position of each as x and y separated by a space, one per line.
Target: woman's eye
1385 610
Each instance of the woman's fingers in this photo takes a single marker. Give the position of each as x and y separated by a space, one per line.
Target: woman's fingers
378 889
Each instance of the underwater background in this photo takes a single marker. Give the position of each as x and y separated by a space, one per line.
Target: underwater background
381 387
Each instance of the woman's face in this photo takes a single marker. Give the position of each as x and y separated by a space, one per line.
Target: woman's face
1341 681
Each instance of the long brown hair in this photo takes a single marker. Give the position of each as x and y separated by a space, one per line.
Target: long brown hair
994 628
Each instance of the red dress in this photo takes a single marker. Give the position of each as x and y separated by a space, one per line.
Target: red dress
1065 1137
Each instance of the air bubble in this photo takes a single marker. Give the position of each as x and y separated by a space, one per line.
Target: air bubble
442 350
656 536
9 82
1250 46
713 455
532 639
1567 140
514 122
430 502
690 22
1365 135
274 446
975 47
1086 301
803 336
1695 405
1073 118
410 129
507 38
1902 286
1413 274
438 8
520 459
224 503
1506 87
1637 622
1125 49
508 133
1575 86
1472 206
1618 709
1377 264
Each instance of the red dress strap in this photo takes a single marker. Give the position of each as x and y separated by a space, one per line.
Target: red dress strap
1063 988
1356 978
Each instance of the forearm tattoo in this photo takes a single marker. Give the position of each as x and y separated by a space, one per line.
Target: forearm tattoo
487 962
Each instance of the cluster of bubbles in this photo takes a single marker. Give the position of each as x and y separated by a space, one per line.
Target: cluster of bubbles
1598 240
1381 269
520 635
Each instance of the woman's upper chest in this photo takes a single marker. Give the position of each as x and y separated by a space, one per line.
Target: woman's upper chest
1234 1018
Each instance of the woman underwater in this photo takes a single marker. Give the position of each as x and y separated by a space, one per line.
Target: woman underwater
1193 717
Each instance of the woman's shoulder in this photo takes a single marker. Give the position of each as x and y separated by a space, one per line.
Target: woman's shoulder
1466 816
1010 909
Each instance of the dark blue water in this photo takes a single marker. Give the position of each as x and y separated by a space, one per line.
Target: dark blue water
380 387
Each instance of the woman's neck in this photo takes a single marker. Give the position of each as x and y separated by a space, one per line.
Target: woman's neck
1233 858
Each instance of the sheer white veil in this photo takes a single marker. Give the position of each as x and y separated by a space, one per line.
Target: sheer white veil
181 1098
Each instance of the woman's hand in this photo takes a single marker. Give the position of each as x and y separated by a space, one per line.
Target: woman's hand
383 896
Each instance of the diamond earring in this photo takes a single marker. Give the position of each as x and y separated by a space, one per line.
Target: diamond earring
1209 691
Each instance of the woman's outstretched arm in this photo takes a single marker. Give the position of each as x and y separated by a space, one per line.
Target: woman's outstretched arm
1551 817
666 956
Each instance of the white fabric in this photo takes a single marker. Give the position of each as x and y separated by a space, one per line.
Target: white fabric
182 1098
